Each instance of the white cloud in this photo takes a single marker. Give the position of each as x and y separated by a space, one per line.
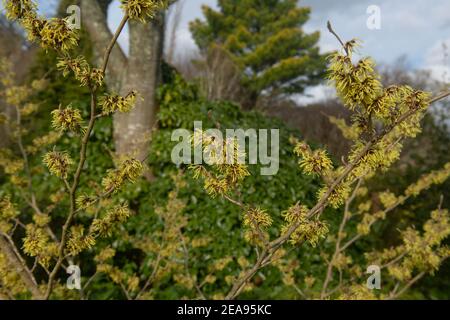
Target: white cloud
438 61
185 42
407 27
438 53
315 94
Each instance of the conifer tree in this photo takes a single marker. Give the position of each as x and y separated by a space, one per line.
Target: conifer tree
266 40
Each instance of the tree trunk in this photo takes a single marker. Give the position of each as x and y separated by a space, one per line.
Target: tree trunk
139 71
132 131
94 15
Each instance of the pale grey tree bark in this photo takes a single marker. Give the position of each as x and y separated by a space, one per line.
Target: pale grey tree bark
139 71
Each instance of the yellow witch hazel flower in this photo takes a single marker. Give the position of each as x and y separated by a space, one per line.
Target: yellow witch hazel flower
257 217
57 34
78 66
39 84
17 95
358 292
301 148
67 119
337 196
78 241
13 166
316 162
17 9
103 227
128 170
384 105
41 220
388 199
33 26
215 187
357 85
437 228
82 71
53 33
35 240
225 171
96 76
132 169
418 100
381 156
313 162
296 213
143 9
84 201
58 163
234 172
363 228
311 231
308 230
256 220
113 102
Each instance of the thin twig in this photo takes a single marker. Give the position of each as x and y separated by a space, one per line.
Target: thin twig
330 28
82 160
338 250
407 286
